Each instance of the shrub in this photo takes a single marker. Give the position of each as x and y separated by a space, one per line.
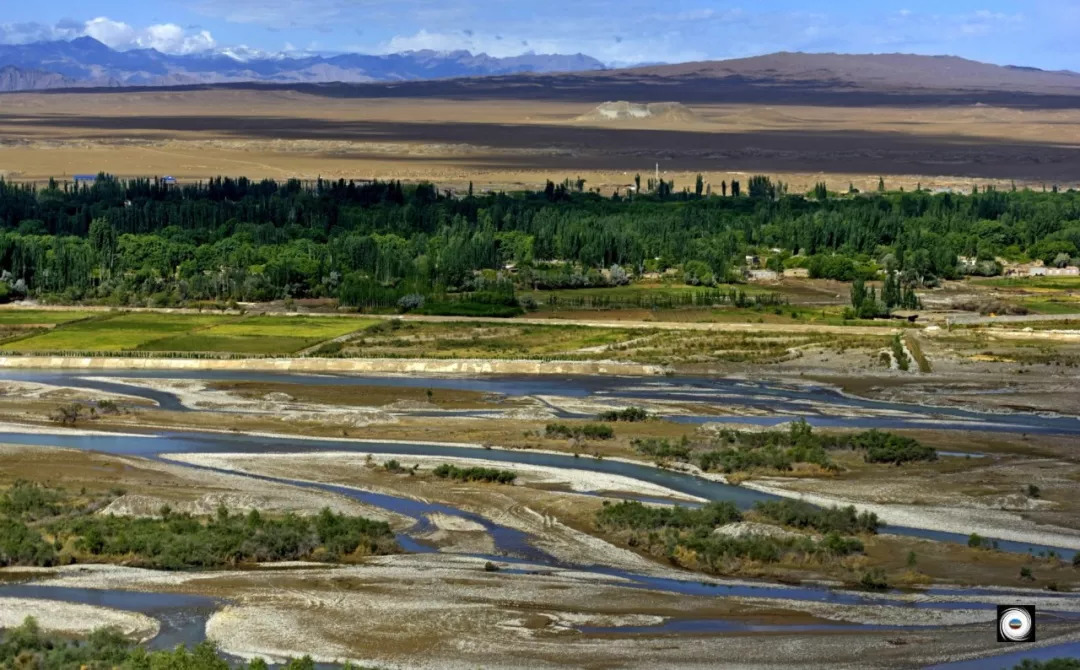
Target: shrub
798 514
630 414
590 431
662 449
633 514
475 474
176 541
597 431
686 536
68 415
1052 664
883 447
26 646
1033 491
107 407
874 579
410 302
31 501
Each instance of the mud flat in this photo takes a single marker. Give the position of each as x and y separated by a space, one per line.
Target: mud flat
516 507
435 610
576 480
152 483
75 619
964 520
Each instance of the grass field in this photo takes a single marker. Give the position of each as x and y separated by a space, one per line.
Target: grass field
1055 283
123 332
260 335
42 317
1052 306
569 342
488 340
189 333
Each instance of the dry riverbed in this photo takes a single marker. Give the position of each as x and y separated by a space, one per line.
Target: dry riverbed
434 610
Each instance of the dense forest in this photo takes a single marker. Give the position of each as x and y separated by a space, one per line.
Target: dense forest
383 244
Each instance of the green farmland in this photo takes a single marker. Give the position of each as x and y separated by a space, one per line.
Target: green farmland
39 317
187 333
260 335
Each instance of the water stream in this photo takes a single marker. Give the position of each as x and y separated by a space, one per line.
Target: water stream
183 619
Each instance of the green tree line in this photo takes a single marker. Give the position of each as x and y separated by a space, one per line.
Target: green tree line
374 244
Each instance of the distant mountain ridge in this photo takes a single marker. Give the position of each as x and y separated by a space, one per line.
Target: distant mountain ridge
87 62
891 72
18 79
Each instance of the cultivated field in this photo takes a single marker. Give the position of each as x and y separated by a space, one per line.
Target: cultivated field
184 333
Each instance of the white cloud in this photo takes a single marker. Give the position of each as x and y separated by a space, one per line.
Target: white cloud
165 37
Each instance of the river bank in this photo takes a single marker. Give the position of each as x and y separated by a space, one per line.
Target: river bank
336 365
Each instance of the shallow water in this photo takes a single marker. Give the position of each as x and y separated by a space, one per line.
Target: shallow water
810 402
185 622
1010 659
182 617
187 442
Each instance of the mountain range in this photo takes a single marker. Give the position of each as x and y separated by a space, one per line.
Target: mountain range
823 78
84 62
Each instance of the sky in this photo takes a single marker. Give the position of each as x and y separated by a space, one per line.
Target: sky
1039 33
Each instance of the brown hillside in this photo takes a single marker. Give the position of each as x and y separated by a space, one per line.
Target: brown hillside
881 72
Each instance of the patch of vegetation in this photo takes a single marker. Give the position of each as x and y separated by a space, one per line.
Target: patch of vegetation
630 414
664 450
900 354
369 245
27 646
798 514
43 317
1052 664
43 527
471 309
915 348
687 537
732 451
28 501
475 474
191 333
119 332
589 431
874 579
638 516
882 447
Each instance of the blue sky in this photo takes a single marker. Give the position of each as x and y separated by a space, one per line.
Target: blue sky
1042 33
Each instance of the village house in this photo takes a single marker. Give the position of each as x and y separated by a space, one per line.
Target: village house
1033 269
1067 271
762 275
